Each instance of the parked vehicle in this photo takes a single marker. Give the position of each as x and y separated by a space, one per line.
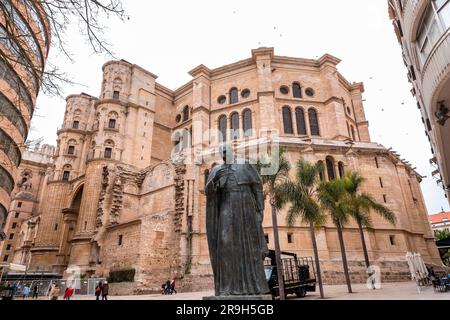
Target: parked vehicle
299 274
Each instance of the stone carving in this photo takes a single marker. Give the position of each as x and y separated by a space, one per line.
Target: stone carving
117 200
25 182
101 200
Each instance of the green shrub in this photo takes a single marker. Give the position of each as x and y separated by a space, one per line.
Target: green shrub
121 276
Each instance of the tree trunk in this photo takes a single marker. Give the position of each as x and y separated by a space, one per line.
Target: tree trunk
316 257
344 256
363 241
278 253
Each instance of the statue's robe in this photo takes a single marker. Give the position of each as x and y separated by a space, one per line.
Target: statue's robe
234 214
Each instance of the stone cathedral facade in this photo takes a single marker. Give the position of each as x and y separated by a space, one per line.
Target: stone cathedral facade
116 199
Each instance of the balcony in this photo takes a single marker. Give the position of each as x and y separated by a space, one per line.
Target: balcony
73 154
436 69
73 127
111 127
100 155
411 11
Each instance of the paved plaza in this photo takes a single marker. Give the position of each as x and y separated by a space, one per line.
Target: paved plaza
388 291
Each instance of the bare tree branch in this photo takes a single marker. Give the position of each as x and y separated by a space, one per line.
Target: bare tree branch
15 37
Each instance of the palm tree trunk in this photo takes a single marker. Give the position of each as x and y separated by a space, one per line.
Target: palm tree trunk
363 241
344 256
278 253
316 257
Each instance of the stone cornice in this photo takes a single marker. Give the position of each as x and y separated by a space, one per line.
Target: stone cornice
81 95
164 90
130 65
263 51
200 109
199 71
162 126
183 90
328 58
370 147
124 224
233 106
44 249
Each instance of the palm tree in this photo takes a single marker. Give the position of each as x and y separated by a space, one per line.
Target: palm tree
360 205
273 179
302 197
332 197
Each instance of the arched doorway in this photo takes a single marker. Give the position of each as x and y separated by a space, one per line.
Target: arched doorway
70 223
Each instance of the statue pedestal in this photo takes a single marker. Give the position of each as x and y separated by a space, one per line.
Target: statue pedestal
266 297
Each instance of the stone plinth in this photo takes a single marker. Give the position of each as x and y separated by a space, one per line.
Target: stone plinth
266 297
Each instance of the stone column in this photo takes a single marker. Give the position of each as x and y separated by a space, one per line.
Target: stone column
266 94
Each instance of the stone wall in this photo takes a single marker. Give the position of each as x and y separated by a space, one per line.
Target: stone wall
122 289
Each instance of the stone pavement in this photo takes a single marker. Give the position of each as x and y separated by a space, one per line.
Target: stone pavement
388 291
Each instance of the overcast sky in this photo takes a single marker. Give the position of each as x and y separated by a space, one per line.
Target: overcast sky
171 37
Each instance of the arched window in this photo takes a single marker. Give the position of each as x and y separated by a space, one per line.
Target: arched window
223 128
235 125
109 146
66 172
321 170
176 141
186 113
296 90
300 117
352 129
186 139
287 120
247 122
71 147
112 124
314 122
341 169
234 96
330 169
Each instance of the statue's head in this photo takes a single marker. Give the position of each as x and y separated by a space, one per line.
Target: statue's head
226 152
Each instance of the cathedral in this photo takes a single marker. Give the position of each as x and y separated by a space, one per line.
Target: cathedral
125 187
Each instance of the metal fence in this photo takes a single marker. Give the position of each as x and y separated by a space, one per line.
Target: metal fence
82 287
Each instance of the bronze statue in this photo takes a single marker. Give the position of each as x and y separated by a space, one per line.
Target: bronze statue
234 214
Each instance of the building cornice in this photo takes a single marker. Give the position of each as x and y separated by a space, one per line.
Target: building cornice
130 65
124 224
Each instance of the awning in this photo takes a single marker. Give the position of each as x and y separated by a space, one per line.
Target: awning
443 244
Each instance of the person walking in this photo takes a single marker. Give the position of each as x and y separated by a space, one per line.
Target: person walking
98 291
168 291
14 289
54 294
35 292
105 291
68 293
172 286
25 292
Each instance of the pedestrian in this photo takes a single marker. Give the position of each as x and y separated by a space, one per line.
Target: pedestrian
54 294
26 291
98 291
9 291
168 291
35 291
105 291
14 289
172 286
68 293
